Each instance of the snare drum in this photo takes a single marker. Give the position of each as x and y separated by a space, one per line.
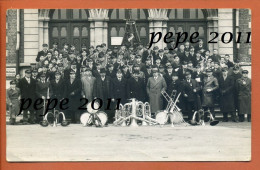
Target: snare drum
161 117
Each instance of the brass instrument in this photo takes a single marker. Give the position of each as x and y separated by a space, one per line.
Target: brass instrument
201 116
133 111
172 110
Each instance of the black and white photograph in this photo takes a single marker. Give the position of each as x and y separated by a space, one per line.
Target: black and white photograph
128 85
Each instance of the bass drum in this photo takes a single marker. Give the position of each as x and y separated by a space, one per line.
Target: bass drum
103 117
84 118
161 117
90 108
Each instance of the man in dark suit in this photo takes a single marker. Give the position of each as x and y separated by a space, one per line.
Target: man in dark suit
43 91
43 52
118 87
73 67
57 86
27 87
215 57
191 91
136 87
226 87
72 91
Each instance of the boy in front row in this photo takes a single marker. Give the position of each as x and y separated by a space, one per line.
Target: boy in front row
13 100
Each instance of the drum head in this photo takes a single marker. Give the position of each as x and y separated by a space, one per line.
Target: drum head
161 117
102 116
90 108
84 118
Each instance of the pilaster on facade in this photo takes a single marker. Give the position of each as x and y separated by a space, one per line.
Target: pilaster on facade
98 26
158 23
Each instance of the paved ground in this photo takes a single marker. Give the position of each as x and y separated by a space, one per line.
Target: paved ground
224 142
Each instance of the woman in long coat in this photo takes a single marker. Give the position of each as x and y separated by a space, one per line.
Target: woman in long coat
155 85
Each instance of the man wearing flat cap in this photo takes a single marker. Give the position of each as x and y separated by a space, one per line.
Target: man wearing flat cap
43 91
155 85
136 87
243 88
27 87
118 87
210 85
191 99
236 74
12 99
226 89
43 52
72 91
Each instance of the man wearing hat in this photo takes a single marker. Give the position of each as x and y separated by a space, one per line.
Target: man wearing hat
146 53
210 86
125 72
191 98
43 90
243 88
87 81
136 87
57 86
34 74
72 91
226 88
65 49
182 71
235 74
155 85
73 67
102 90
54 48
118 87
168 75
12 99
111 72
27 87
43 52
162 57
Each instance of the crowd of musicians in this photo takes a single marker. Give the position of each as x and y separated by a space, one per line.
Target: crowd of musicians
205 79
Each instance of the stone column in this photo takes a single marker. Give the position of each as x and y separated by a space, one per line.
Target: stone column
98 26
225 24
212 26
158 23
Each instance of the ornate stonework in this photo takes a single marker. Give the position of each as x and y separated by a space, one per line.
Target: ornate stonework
44 14
100 14
157 14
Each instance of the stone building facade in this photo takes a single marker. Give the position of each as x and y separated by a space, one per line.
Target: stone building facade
28 29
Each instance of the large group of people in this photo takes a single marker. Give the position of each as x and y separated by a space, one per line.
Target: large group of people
205 79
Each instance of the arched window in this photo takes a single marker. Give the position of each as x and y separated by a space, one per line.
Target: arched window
136 14
69 14
69 26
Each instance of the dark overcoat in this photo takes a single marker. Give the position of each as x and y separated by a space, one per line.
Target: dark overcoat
226 89
243 88
136 89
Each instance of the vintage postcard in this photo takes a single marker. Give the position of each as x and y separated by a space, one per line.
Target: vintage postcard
128 85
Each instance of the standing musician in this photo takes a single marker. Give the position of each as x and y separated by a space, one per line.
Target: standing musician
191 99
43 91
155 85
243 88
12 99
210 85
